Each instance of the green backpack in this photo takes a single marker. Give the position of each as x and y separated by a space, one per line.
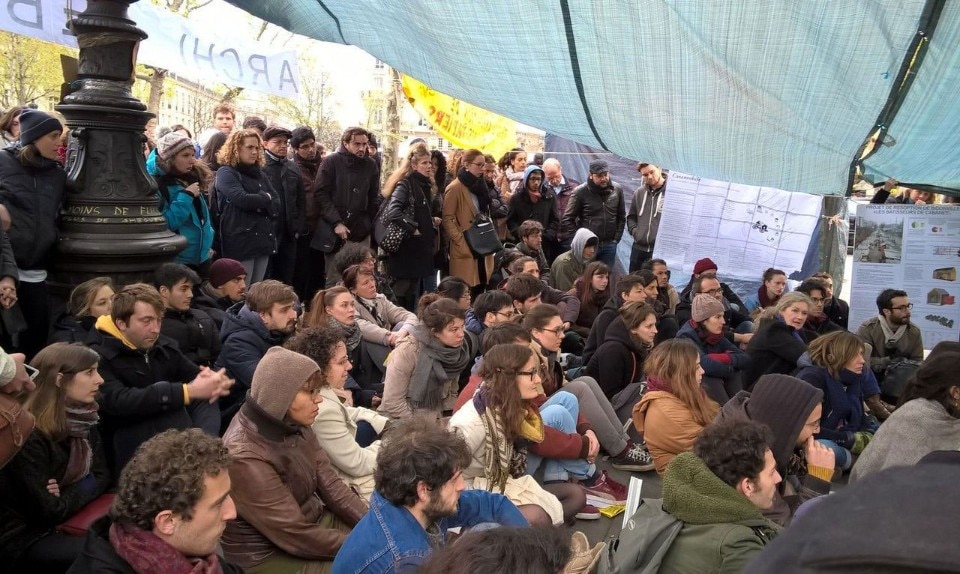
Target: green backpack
643 542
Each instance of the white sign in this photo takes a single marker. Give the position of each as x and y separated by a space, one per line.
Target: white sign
174 44
744 229
915 248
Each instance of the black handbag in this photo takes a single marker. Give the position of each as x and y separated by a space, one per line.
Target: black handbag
391 235
325 239
482 236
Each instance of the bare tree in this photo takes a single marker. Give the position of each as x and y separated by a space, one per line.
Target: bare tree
314 107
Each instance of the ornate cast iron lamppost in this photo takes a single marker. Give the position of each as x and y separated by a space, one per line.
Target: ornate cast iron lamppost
110 222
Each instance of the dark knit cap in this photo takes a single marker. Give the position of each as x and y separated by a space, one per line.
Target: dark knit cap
223 270
705 264
783 403
704 307
275 131
280 374
35 124
300 135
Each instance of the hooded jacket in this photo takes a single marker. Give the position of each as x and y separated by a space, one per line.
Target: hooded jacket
186 215
348 192
543 210
570 265
600 210
783 404
643 220
722 530
619 360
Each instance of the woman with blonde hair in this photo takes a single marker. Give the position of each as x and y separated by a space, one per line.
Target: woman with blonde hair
247 204
88 301
837 367
498 423
61 467
674 409
778 343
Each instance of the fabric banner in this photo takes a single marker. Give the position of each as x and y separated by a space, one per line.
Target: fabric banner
464 125
174 44
915 248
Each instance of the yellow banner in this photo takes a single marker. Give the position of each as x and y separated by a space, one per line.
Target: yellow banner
464 125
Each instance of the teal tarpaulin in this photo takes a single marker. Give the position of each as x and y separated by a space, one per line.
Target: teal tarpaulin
778 93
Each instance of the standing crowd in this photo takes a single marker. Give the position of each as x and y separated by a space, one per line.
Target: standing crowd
342 367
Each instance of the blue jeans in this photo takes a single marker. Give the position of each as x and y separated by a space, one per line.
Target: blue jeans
844 458
607 252
560 413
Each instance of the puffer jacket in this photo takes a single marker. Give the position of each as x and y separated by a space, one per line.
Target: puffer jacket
195 334
601 210
348 192
33 197
186 215
283 484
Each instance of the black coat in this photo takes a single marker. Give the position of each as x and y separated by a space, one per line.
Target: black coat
838 311
29 512
206 300
773 349
348 191
69 329
544 211
99 557
248 208
195 334
33 197
284 176
618 361
414 259
142 395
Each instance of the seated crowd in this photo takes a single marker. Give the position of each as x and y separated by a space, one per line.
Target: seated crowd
328 406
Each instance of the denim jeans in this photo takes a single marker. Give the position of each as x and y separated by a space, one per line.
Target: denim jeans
844 458
607 252
560 413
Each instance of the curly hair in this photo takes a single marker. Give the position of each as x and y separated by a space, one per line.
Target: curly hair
933 381
418 450
504 550
734 449
318 343
499 371
167 473
229 154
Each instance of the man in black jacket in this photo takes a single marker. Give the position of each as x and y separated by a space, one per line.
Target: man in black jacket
226 287
308 274
148 385
193 330
171 507
348 190
598 206
284 176
266 319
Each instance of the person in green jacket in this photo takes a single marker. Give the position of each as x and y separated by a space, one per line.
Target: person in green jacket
719 492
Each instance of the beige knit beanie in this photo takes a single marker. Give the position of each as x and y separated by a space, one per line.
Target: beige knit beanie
280 374
704 307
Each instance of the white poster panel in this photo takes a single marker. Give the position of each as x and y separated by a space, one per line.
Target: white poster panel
174 43
744 229
915 248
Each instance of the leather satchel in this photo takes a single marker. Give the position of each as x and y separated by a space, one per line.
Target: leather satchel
79 523
16 424
482 237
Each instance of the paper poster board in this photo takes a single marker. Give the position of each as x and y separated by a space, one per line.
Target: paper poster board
915 248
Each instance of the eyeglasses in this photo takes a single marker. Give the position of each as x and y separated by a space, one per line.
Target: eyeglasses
534 373
479 164
558 331
714 292
902 308
508 314
817 300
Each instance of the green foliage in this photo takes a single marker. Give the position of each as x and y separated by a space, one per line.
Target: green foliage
29 70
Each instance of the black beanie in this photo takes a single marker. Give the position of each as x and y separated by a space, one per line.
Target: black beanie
783 403
301 135
35 124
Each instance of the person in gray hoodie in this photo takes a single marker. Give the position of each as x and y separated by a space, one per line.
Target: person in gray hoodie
643 219
570 265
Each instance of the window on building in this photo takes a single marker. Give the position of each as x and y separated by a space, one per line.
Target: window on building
378 82
378 65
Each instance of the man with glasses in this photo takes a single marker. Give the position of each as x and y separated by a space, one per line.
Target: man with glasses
817 322
890 333
491 308
284 176
739 327
835 308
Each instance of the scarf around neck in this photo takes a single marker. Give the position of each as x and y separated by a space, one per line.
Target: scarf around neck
351 333
892 337
436 364
658 384
706 336
81 417
147 554
477 187
794 332
765 300
503 458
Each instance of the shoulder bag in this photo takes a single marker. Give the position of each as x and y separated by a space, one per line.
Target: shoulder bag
482 236
16 424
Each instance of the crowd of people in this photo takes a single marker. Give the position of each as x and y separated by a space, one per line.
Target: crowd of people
341 367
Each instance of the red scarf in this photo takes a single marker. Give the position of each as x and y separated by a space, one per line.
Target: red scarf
657 384
706 336
765 300
147 554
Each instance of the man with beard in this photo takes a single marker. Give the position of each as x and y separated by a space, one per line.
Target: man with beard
308 274
266 319
347 190
419 496
149 386
226 286
598 206
891 334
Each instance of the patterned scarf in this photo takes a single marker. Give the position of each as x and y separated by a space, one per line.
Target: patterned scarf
503 459
81 418
147 554
436 364
351 333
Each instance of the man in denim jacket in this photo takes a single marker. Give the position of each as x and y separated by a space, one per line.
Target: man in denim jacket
419 496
